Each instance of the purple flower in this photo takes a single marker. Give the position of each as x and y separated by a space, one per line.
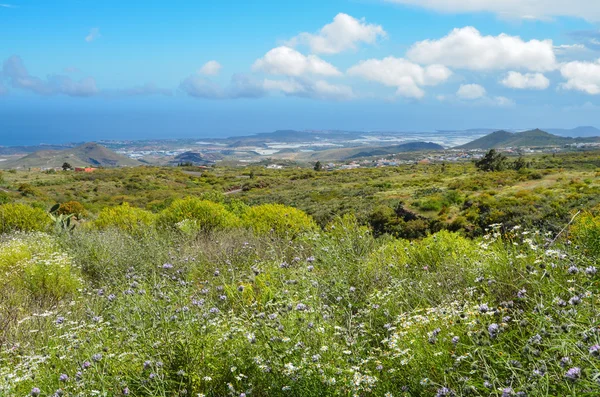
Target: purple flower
455 340
97 357
63 377
152 375
573 374
35 391
575 300
167 266
126 391
484 308
86 364
444 391
507 392
573 270
310 259
301 307
60 320
565 361
522 293
590 271
112 297
147 364
493 329
214 310
595 350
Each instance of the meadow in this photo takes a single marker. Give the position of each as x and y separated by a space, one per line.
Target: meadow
425 280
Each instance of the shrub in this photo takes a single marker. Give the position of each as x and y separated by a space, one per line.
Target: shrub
21 217
586 233
72 208
278 219
206 215
125 217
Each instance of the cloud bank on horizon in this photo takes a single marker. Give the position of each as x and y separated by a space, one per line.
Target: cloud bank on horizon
354 57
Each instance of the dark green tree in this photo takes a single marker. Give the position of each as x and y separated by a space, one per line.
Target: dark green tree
66 166
318 166
520 163
492 161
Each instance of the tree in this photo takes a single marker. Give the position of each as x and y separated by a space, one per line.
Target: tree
520 163
66 166
318 166
492 161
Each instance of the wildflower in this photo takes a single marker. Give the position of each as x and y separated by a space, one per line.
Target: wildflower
310 259
214 310
590 271
126 391
147 364
241 288
217 273
444 391
286 388
97 357
310 268
573 374
561 303
112 297
522 293
78 375
223 297
301 307
35 391
167 266
565 361
493 329
63 377
484 308
574 301
455 340
595 350
152 376
573 270
487 385
507 392
60 320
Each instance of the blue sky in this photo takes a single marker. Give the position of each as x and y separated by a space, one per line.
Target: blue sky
82 70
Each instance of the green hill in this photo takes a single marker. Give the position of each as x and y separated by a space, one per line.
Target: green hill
533 138
88 154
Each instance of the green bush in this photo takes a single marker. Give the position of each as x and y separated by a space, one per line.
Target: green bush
586 233
21 217
125 217
204 215
278 219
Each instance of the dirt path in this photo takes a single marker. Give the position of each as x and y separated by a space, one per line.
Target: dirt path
233 192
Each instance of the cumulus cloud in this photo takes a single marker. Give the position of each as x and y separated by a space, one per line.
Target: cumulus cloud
523 9
289 62
243 86
344 33
407 77
520 81
211 68
471 91
93 35
17 75
466 48
582 76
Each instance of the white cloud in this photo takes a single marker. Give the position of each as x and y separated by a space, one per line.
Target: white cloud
211 68
407 77
4 5
471 91
520 81
93 35
466 48
16 73
344 33
522 9
289 62
582 76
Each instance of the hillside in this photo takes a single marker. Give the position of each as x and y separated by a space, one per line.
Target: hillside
343 154
537 137
88 154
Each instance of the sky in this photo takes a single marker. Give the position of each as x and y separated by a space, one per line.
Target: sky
91 70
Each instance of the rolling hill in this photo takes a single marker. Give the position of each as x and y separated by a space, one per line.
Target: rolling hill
88 154
533 138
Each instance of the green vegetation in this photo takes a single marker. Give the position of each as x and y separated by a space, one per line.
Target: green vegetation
431 280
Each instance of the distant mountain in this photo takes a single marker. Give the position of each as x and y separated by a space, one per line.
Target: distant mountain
533 138
403 148
579 132
88 154
197 158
